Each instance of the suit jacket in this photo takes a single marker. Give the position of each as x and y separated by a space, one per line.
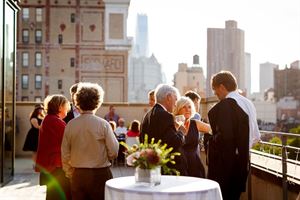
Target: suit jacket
159 124
228 148
70 115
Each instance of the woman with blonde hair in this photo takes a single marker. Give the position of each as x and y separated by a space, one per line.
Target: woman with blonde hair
49 148
185 107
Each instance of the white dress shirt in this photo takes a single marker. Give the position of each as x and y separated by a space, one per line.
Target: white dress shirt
76 112
120 130
249 109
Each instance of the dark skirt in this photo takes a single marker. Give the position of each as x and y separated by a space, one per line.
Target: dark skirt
195 166
31 141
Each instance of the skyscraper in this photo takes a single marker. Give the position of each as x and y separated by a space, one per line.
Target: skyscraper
144 72
248 73
225 51
266 76
141 48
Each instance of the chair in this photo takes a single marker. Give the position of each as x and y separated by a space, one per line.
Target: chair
130 141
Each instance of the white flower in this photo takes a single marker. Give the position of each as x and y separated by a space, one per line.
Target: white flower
132 158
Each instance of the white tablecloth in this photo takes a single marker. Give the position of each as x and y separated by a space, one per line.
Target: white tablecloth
171 188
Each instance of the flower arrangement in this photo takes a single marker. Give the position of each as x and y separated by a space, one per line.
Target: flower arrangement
151 155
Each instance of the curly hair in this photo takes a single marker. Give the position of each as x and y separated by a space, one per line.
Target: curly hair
89 96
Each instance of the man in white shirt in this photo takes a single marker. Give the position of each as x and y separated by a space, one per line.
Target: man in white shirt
232 121
248 107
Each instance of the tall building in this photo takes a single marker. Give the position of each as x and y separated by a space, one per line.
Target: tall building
266 76
225 51
64 42
144 74
248 74
141 45
190 78
287 83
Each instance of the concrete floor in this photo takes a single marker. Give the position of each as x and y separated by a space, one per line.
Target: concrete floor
25 185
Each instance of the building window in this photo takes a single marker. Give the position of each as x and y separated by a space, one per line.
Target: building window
72 17
60 39
38 81
59 84
25 59
38 14
72 62
38 59
25 81
38 99
38 36
25 14
25 35
25 98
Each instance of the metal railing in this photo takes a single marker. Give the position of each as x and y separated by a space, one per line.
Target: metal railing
284 158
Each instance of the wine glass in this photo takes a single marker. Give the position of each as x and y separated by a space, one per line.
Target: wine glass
180 119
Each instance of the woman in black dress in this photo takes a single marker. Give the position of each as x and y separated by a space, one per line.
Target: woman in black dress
32 138
185 107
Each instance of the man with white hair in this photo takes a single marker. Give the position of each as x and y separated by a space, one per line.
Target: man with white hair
159 124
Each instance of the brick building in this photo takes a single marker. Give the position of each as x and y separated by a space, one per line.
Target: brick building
61 42
287 83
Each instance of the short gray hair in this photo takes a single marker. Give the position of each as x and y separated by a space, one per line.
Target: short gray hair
163 90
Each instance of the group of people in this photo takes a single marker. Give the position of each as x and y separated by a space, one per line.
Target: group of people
75 147
231 132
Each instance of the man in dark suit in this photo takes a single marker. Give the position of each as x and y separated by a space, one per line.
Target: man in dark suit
228 148
74 112
159 123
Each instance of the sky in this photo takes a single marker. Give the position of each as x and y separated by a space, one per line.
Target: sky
178 30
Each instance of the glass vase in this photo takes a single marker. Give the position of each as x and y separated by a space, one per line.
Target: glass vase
148 177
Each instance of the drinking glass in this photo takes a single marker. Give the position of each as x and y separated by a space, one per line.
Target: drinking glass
180 119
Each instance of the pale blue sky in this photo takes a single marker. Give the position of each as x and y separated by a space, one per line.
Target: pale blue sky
177 29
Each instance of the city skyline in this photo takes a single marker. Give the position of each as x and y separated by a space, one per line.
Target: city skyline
178 31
